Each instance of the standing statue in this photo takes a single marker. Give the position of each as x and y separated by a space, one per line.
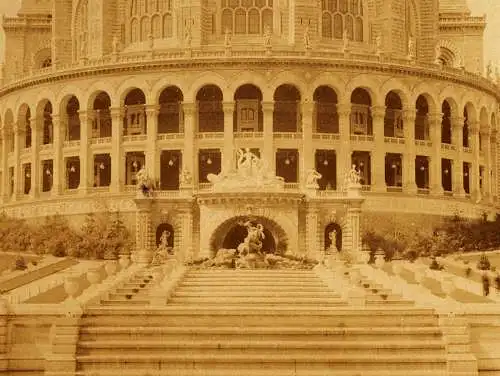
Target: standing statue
246 162
114 44
227 38
187 35
345 39
312 179
437 54
353 177
307 38
333 241
411 48
489 70
378 44
268 35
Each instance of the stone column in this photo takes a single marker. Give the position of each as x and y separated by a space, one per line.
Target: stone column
268 152
344 152
353 215
409 156
18 175
493 163
474 188
85 162
188 156
143 231
458 162
435 169
378 160
116 158
228 149
58 175
5 167
187 235
307 157
487 166
152 132
312 227
35 158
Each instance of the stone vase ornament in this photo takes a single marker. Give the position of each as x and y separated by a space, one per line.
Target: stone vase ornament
71 286
111 267
94 276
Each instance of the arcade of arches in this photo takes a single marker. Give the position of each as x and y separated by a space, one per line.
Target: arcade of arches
420 148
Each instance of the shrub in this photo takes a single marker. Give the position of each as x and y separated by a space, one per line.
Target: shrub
434 265
20 263
483 263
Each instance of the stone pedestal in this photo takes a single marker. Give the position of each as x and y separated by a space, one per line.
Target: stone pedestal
143 231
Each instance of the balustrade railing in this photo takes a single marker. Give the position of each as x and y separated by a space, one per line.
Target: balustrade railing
361 138
100 140
248 135
394 140
72 144
291 186
135 138
326 136
426 143
423 191
170 136
287 135
467 149
449 147
46 147
392 189
210 135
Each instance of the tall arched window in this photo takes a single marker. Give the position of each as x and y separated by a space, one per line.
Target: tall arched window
340 14
149 17
246 16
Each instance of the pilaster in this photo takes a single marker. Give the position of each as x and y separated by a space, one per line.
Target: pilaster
84 153
152 136
312 225
409 156
487 165
143 231
116 165
307 157
188 160
353 215
435 169
268 153
187 235
378 160
227 151
58 171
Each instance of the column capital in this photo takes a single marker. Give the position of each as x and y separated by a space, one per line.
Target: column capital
228 107
267 106
307 107
474 129
457 122
485 132
189 108
378 112
344 108
409 114
117 111
152 110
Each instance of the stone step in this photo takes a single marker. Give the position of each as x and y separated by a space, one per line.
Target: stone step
253 293
221 300
378 334
254 315
256 371
250 272
333 361
251 289
257 283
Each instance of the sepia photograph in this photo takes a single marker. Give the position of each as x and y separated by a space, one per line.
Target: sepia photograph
249 188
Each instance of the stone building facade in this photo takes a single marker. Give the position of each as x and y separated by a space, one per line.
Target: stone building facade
92 91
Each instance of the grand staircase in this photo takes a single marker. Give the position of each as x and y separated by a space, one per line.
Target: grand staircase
257 322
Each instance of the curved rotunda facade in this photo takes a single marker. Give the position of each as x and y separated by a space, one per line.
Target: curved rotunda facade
93 91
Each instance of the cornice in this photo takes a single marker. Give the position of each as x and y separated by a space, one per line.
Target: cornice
359 66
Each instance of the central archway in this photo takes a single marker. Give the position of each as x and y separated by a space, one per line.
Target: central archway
231 233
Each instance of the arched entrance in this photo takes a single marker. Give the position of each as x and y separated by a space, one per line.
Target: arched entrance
170 232
231 233
236 235
328 229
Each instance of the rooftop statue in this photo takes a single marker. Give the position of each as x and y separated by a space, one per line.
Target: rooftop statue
251 172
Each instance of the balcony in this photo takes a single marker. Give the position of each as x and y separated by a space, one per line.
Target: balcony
362 138
210 135
426 143
71 144
287 136
448 147
135 138
394 140
326 136
248 135
170 136
100 140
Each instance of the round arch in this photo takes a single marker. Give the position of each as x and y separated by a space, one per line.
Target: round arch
170 232
279 237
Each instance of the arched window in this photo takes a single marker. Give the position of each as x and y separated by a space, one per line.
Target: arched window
340 14
242 17
149 17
